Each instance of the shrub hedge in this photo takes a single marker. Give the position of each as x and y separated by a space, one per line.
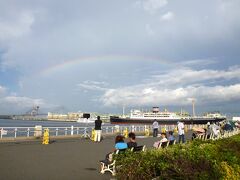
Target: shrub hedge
194 160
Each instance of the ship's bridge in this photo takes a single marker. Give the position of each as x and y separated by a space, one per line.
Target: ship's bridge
136 113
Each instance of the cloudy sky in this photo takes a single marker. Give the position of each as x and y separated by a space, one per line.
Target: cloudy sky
100 55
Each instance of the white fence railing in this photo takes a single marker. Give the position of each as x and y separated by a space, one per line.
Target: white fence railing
16 132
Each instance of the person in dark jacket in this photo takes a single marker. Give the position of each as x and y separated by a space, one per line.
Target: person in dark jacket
132 140
98 129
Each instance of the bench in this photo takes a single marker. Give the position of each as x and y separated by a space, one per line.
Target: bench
111 165
166 144
138 148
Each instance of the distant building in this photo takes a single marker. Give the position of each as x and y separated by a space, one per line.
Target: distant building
69 116
74 116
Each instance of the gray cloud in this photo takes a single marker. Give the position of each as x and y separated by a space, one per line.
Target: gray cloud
22 101
171 97
92 85
11 102
168 16
2 90
151 6
17 28
48 36
187 76
197 46
176 87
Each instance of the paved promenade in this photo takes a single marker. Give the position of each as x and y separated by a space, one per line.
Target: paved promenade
63 159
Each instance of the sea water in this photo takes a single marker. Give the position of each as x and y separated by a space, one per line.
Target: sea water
29 123
23 126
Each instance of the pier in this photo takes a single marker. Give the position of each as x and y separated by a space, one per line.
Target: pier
73 158
14 133
66 157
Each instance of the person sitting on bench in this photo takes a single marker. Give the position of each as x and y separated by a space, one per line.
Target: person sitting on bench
171 138
132 140
163 140
119 145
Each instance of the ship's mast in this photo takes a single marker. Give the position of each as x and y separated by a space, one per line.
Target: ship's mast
193 107
123 110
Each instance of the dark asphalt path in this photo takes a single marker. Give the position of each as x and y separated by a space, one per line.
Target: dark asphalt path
64 159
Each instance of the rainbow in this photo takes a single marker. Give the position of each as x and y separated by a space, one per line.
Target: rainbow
68 64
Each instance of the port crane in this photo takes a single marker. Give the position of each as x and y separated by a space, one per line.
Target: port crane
33 112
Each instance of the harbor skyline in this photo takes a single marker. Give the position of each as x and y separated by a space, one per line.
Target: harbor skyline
100 56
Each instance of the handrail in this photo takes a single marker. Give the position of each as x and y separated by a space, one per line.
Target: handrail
14 132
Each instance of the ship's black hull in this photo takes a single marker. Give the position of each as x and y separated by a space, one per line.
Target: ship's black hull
119 120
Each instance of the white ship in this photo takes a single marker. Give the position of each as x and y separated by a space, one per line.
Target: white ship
154 114
166 117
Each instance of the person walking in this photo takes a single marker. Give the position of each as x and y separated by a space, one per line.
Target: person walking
181 136
98 129
155 128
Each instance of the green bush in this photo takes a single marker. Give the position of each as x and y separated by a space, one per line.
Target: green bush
195 160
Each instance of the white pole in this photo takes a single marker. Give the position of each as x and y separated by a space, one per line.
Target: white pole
65 131
28 131
106 130
193 107
15 133
71 130
1 132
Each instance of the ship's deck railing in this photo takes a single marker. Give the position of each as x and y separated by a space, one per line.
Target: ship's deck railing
21 132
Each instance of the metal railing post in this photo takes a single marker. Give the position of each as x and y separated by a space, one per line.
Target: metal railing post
15 133
85 132
1 132
106 130
71 130
65 131
28 132
132 128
